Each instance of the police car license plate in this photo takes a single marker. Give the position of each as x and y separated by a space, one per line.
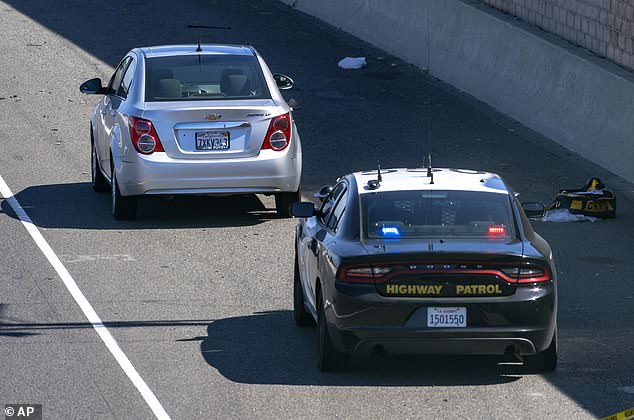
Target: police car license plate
447 317
212 140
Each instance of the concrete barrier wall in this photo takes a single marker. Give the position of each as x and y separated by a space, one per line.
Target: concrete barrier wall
605 27
584 103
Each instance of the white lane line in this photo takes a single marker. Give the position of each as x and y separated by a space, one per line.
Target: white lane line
85 306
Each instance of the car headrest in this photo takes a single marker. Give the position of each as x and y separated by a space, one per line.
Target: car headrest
163 74
170 88
234 83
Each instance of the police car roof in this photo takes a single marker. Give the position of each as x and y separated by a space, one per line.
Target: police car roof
402 179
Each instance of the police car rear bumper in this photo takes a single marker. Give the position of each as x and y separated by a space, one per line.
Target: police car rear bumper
522 324
443 344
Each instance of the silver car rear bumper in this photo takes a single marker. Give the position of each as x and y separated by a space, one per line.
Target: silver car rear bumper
268 172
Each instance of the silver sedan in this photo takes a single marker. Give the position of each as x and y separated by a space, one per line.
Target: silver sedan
193 119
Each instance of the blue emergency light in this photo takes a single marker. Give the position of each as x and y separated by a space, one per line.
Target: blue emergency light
390 231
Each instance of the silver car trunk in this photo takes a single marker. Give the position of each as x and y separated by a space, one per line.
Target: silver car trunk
212 129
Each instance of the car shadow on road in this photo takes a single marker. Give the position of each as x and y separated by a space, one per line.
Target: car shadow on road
17 328
268 348
9 332
76 206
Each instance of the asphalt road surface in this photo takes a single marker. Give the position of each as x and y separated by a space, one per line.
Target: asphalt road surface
197 292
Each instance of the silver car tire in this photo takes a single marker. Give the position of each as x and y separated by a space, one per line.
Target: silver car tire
284 200
99 183
123 208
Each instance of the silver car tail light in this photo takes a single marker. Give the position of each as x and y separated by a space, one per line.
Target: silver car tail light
278 135
144 136
146 143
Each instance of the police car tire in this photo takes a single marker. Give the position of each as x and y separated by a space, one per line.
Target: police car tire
123 208
302 317
329 359
544 361
283 202
99 183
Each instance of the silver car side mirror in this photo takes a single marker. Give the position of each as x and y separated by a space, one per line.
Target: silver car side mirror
283 82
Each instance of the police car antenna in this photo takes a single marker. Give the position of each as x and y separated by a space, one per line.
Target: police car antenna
373 184
430 173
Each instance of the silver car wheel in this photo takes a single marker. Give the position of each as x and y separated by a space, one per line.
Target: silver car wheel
123 208
113 194
99 183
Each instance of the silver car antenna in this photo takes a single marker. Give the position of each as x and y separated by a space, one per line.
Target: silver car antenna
200 49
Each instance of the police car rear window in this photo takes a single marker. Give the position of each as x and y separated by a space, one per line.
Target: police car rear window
419 214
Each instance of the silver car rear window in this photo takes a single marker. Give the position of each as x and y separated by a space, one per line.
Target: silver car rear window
417 214
203 78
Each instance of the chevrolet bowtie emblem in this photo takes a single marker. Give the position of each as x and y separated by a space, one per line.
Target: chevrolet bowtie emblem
212 117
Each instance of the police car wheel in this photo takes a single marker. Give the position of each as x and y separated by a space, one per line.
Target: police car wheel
544 361
329 359
302 317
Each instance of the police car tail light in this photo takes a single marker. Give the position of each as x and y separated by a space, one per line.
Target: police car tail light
527 274
144 137
278 135
361 274
496 231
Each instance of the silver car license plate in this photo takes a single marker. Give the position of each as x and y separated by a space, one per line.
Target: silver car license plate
212 140
447 317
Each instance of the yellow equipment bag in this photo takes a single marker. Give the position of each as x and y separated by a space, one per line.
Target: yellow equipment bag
592 200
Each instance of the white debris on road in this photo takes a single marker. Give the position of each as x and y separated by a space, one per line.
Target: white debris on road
563 215
352 63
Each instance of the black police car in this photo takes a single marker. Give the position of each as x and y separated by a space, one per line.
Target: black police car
422 261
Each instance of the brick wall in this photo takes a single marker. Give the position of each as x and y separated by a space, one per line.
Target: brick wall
605 27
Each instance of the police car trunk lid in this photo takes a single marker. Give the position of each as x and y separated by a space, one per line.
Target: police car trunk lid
445 267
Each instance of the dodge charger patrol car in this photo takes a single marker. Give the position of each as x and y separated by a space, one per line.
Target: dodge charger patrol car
424 261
